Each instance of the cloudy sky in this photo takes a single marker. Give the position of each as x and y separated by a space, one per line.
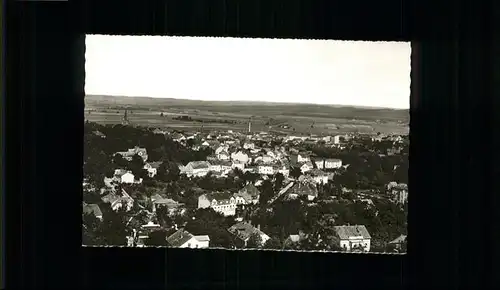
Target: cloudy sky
302 71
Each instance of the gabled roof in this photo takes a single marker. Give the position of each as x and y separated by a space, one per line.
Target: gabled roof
203 238
218 196
155 164
198 164
303 188
398 240
344 232
179 238
251 190
244 230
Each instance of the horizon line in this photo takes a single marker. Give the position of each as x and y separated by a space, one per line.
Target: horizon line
259 101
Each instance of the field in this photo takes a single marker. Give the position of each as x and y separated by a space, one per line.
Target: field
282 117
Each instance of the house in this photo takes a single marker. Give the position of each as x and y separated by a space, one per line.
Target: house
398 242
306 167
398 192
221 202
319 163
319 176
332 163
353 237
248 194
223 155
152 168
336 139
177 137
196 168
248 145
265 169
124 176
240 156
244 230
127 155
183 239
294 239
172 205
92 208
238 164
117 201
158 132
299 158
302 188
220 166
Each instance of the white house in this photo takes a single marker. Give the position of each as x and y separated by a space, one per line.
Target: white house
265 169
398 191
220 202
244 231
127 155
124 176
223 155
336 139
183 239
247 195
333 163
353 238
318 176
320 163
306 167
196 168
152 168
240 156
300 158
220 166
249 145
238 164
116 201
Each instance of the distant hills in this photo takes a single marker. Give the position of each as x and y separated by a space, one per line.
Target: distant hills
291 109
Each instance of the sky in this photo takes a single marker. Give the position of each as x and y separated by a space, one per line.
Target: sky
374 74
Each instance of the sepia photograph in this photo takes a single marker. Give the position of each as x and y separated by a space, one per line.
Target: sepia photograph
246 143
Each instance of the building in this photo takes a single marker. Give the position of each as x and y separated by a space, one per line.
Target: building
336 139
299 158
398 242
221 202
183 239
220 166
248 145
353 238
172 205
398 192
127 155
265 169
244 230
124 176
240 156
247 195
306 167
196 168
319 163
223 155
302 188
116 201
238 164
93 209
152 168
333 163
319 176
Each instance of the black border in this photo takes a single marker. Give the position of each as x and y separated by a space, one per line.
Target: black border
450 84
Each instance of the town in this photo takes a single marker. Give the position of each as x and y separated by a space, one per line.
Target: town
148 186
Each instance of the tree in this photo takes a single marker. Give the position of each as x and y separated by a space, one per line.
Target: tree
157 238
161 114
278 181
273 243
254 241
266 192
168 171
295 172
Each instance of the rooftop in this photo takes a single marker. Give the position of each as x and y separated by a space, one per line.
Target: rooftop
179 238
345 232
